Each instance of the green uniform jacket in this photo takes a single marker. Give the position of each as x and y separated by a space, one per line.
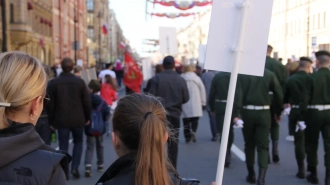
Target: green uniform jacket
278 69
318 88
294 91
254 90
219 90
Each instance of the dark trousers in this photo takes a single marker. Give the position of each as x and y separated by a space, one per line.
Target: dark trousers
189 125
316 122
63 138
299 137
220 118
275 128
119 81
173 148
256 133
44 131
213 124
92 142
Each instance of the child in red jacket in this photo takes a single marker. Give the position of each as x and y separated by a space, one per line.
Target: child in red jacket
108 92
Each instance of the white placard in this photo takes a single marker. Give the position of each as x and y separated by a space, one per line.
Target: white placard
80 63
202 53
167 41
223 33
88 74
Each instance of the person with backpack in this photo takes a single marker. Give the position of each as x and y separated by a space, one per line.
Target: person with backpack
95 130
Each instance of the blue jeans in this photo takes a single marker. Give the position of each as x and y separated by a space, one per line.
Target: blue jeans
63 138
213 125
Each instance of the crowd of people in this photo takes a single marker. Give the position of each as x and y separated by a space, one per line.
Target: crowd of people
35 105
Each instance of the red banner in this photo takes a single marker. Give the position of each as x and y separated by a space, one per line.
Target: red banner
132 75
172 15
183 5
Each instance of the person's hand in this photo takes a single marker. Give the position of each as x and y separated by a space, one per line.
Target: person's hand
88 122
212 113
277 118
213 183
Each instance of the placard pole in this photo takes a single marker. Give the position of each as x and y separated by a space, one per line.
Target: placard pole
237 49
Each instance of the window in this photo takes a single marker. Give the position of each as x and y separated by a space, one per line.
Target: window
12 13
90 19
90 4
90 34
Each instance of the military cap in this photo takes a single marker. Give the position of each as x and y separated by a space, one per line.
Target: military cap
306 59
322 53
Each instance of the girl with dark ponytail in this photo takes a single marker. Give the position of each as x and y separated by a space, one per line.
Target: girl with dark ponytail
139 135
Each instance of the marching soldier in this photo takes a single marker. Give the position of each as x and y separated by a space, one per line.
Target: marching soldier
294 97
281 74
317 118
253 92
217 101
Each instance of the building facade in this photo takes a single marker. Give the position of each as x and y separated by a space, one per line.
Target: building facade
300 28
69 30
29 28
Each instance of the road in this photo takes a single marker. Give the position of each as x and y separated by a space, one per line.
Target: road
199 160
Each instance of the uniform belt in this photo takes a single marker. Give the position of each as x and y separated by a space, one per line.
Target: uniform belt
295 106
222 101
256 107
319 107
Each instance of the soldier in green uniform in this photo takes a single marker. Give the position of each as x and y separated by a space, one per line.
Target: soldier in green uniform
217 101
253 92
281 74
294 98
317 118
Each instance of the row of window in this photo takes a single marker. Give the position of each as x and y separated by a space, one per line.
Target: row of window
316 22
284 5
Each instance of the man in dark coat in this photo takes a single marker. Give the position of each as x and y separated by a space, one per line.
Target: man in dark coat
69 111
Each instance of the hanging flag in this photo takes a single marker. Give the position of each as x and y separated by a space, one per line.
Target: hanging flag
105 29
132 75
122 45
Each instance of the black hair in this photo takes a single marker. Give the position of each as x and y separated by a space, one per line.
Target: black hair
67 65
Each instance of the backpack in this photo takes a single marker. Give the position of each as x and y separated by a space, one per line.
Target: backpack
97 124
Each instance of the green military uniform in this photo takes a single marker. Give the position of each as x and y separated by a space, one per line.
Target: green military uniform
317 120
254 91
281 74
294 94
217 101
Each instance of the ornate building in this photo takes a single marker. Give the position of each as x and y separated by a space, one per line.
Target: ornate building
69 17
29 28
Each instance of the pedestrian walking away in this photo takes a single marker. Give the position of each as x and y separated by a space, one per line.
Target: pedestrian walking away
317 100
172 88
24 157
140 132
207 78
253 92
294 97
218 101
281 74
99 117
193 109
69 111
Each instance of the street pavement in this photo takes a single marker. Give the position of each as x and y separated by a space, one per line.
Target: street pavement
199 160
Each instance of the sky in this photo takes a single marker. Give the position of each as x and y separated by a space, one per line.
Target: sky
131 15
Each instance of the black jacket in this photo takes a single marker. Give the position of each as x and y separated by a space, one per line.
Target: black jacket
122 172
26 160
173 90
70 102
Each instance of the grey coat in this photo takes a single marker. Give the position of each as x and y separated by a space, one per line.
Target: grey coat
25 160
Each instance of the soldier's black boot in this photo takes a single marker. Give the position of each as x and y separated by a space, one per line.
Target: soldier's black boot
327 177
301 170
228 159
262 175
312 177
251 178
276 157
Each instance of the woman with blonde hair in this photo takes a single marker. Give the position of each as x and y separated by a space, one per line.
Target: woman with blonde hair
140 133
25 159
193 109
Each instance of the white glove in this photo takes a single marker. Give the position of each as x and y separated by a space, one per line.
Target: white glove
287 111
239 124
300 126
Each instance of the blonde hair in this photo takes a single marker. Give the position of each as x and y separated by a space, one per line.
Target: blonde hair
189 68
22 79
